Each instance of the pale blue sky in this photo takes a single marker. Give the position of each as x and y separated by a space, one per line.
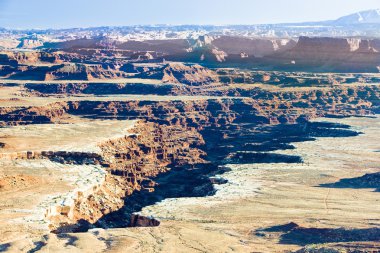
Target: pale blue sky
87 13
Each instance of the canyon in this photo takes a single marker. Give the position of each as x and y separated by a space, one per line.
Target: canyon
177 145
176 139
90 60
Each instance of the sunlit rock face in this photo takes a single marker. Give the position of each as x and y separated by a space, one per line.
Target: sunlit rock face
330 54
194 138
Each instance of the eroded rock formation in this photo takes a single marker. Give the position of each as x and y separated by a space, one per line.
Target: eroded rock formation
132 163
81 72
32 57
273 106
177 73
331 55
171 133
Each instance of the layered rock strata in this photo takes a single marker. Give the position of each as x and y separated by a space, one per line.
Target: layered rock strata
132 163
270 106
172 134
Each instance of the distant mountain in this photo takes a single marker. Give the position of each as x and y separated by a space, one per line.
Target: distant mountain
360 24
363 17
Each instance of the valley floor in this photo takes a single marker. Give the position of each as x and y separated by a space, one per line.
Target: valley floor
264 207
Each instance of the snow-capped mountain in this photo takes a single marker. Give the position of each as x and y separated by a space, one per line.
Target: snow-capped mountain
360 24
363 17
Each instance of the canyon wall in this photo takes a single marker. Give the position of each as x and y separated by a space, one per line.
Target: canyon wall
331 55
174 134
132 163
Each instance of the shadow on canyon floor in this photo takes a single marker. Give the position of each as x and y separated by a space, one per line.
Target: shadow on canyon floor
249 143
368 181
179 182
291 233
195 181
4 247
222 144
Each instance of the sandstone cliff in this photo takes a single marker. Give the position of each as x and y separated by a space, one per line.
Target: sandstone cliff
331 54
172 133
181 73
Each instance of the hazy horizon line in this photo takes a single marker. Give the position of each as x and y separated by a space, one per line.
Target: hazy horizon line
179 24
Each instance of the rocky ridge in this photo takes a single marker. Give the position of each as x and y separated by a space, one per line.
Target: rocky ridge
179 73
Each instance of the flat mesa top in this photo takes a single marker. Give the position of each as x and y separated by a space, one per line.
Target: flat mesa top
83 136
13 97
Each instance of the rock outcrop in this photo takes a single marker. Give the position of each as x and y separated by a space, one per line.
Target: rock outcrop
174 134
272 106
142 221
72 71
101 88
30 43
81 72
252 47
28 58
132 163
177 73
330 55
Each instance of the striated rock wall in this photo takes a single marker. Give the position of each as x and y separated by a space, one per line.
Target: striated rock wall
60 72
177 73
171 133
266 105
336 46
132 163
252 47
100 88
30 43
330 54
81 72
28 57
